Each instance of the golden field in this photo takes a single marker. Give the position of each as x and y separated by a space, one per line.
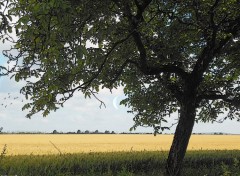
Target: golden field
40 144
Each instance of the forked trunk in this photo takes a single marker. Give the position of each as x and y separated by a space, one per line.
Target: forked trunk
181 138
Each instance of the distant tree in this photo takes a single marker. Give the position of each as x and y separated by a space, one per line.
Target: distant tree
87 132
78 131
70 132
112 132
169 55
96 132
1 128
107 132
54 132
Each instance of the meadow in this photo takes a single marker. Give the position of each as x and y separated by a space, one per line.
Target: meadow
110 155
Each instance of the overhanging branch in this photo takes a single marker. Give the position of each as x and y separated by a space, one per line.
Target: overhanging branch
235 101
87 83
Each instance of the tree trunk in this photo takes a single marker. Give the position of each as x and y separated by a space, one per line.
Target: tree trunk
181 137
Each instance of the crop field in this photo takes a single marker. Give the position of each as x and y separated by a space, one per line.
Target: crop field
45 144
118 154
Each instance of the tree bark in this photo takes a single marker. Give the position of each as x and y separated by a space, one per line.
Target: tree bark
181 137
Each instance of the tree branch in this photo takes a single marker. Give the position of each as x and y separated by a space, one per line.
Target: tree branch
119 72
214 47
87 83
143 65
235 101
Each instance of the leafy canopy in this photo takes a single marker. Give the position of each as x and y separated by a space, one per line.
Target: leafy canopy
5 28
154 48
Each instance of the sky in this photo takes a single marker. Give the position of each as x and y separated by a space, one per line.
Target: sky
81 114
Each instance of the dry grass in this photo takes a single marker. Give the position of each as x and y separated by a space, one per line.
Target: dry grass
43 144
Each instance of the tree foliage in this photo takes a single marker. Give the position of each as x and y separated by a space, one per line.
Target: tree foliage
149 47
5 27
5 18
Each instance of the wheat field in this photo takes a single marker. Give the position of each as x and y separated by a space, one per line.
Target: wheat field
45 144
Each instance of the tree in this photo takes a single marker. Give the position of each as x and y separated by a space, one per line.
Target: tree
107 132
1 128
87 132
169 56
78 131
55 132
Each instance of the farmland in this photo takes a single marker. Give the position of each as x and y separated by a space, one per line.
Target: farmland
120 155
53 144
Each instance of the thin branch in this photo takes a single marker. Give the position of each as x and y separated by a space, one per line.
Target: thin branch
56 147
101 102
212 97
119 72
4 22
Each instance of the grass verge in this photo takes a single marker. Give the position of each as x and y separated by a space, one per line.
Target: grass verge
208 163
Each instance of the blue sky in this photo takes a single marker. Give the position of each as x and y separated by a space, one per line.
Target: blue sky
80 114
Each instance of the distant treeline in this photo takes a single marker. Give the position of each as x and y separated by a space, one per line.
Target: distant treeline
77 132
99 132
95 132
56 132
106 132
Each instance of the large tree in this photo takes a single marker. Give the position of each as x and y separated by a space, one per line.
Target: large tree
168 55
